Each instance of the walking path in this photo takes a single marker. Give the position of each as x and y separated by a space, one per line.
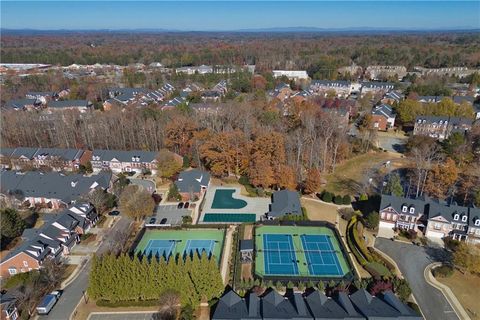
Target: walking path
227 251
447 292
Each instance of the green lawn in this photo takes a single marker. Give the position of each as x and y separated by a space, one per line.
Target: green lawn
298 247
184 235
351 174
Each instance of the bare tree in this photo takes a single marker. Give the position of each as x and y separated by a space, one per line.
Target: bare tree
423 157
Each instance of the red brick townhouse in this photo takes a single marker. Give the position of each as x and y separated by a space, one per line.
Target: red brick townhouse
53 240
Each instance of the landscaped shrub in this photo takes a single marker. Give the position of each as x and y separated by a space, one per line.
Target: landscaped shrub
444 271
119 304
338 200
327 196
243 180
377 270
346 199
363 197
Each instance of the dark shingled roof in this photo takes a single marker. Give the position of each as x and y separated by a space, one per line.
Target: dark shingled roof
283 202
323 307
52 185
124 156
246 245
373 307
192 180
69 104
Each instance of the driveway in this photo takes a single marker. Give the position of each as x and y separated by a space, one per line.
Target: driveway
412 261
146 184
74 291
391 142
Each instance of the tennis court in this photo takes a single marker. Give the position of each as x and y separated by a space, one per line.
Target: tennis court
303 251
280 258
229 217
321 256
224 199
169 243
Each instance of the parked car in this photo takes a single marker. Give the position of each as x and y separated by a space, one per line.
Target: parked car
180 205
114 213
187 204
152 220
47 303
163 221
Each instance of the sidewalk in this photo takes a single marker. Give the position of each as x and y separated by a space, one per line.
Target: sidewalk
446 291
227 251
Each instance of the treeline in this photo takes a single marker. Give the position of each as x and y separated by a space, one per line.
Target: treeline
409 109
267 51
241 138
122 278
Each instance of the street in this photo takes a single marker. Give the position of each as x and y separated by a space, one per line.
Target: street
74 291
412 261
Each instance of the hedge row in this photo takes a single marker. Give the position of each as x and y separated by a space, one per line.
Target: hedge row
337 199
118 304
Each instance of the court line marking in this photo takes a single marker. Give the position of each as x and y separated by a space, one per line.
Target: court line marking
320 252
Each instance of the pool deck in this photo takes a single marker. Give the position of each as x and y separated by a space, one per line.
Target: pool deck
256 205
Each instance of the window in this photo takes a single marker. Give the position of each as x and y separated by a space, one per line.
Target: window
389 216
412 209
455 217
464 218
437 226
25 263
477 222
383 215
12 271
404 209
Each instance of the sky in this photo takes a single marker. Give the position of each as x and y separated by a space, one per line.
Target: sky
235 15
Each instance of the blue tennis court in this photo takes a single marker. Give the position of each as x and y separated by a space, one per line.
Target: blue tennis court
199 246
321 256
280 258
160 248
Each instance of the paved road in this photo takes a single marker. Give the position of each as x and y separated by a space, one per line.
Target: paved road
74 291
412 261
129 316
147 184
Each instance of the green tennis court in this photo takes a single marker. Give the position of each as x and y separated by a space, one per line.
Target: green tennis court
229 217
168 243
299 251
224 199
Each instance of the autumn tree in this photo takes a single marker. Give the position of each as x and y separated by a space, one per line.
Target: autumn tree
168 165
136 202
467 257
441 178
98 198
313 181
286 178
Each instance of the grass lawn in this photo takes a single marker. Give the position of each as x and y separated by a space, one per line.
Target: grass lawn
350 175
318 211
465 287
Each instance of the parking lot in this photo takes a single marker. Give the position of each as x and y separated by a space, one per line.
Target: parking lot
122 316
170 212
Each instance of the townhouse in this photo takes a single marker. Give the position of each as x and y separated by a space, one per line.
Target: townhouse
281 92
124 161
392 97
383 117
203 69
52 190
312 305
436 219
62 105
216 93
8 306
55 158
385 72
460 72
53 240
291 74
440 127
376 87
341 88
23 104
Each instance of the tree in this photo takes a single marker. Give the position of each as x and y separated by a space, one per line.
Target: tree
136 202
167 164
394 185
173 193
441 178
286 179
98 198
313 181
408 110
372 220
467 257
327 196
169 302
12 225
